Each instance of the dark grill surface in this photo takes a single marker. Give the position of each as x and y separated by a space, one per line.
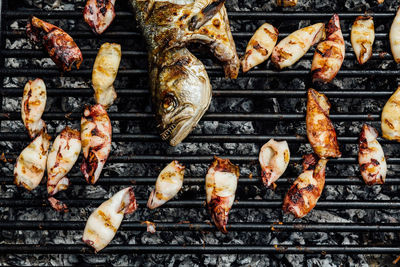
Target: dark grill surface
352 224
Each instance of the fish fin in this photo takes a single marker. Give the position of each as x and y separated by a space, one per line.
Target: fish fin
205 14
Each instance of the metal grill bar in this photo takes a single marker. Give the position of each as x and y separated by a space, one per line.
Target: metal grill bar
199 249
344 93
239 204
198 226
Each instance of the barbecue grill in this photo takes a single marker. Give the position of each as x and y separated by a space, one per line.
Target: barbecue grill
350 218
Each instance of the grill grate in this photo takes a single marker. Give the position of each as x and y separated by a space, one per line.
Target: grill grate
263 87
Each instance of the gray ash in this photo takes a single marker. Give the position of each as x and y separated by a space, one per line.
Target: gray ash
285 105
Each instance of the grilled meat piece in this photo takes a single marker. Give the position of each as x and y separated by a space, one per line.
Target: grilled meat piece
104 222
96 131
260 46
99 14
289 50
61 47
58 205
221 183
105 71
286 3
362 38
320 131
31 163
390 121
168 184
33 104
394 37
274 158
303 195
62 157
371 157
329 54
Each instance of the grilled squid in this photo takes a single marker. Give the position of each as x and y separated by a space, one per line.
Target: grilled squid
99 14
362 38
286 3
96 133
371 157
33 104
62 157
31 163
168 184
61 47
105 71
303 195
329 54
320 131
274 159
289 50
221 183
390 120
260 46
394 37
104 222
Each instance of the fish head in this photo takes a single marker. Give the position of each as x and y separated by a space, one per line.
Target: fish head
183 96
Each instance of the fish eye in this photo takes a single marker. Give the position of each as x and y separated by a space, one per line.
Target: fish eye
168 103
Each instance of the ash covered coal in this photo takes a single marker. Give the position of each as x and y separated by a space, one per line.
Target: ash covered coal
254 191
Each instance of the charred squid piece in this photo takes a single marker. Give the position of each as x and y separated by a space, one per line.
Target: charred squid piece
394 37
104 222
362 38
289 50
61 47
62 157
320 131
31 163
33 104
105 71
260 46
99 14
303 195
168 184
274 158
221 183
58 205
329 54
390 121
286 3
96 131
371 157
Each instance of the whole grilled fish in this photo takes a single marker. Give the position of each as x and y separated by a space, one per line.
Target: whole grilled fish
179 83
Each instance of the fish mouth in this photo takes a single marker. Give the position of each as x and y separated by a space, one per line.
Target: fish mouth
175 132
167 133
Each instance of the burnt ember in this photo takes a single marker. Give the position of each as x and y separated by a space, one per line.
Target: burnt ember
259 105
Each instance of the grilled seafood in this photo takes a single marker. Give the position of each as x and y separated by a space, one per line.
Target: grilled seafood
57 204
320 131
168 184
99 14
179 83
394 37
33 104
329 54
390 120
105 71
274 158
96 131
362 38
289 50
62 157
104 222
303 195
286 3
31 163
221 182
260 46
371 157
61 47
